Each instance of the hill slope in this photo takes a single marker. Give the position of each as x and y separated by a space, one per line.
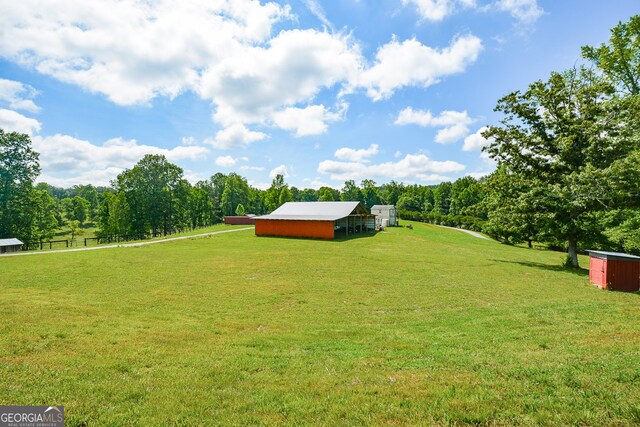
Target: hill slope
408 326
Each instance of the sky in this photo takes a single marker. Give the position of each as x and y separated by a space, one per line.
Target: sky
319 91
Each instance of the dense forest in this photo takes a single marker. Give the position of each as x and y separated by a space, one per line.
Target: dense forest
568 174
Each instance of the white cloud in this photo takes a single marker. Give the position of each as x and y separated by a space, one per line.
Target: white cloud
454 123
255 82
279 170
62 156
101 177
311 120
259 185
131 51
412 167
359 155
436 10
410 63
451 134
188 140
252 168
10 121
316 183
225 161
475 142
18 96
235 136
526 11
398 154
318 11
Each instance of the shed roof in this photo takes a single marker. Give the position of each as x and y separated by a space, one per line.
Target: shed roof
10 242
383 207
616 256
316 211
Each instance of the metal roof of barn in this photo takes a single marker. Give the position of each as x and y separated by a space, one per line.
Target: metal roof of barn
10 242
616 256
382 207
315 211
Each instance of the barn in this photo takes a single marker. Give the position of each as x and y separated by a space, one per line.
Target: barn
385 215
614 270
316 220
10 245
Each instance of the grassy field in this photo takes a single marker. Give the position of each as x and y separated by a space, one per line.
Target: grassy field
423 326
89 232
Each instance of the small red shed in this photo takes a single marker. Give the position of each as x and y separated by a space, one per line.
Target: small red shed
614 270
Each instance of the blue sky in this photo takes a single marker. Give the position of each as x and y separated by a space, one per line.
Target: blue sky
321 91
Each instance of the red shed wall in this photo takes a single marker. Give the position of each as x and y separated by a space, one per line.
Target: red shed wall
239 220
598 271
310 229
623 275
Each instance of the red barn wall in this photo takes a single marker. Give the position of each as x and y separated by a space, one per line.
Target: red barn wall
289 228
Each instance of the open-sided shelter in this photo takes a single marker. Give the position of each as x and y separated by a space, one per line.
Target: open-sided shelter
317 220
10 245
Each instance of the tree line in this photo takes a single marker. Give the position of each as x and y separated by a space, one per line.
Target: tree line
568 174
153 197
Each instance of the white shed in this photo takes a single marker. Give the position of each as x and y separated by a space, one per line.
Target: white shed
385 215
10 245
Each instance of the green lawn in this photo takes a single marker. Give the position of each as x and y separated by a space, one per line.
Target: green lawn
89 231
423 326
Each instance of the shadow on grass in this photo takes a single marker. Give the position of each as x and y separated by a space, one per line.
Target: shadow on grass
583 272
342 237
339 237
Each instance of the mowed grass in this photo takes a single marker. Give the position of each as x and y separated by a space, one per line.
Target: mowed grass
423 326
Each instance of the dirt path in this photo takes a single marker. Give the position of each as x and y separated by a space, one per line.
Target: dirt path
473 233
126 245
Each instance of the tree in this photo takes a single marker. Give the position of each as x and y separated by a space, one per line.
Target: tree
114 216
90 194
74 228
277 194
236 191
370 195
45 222
575 149
308 195
350 192
465 193
511 220
328 194
240 210
201 209
442 198
619 60
150 190
391 192
18 169
80 210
